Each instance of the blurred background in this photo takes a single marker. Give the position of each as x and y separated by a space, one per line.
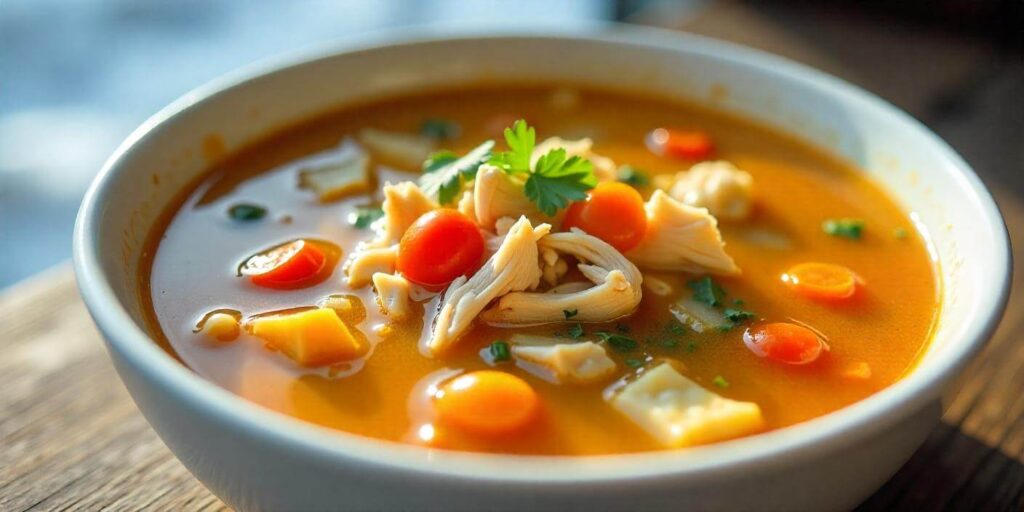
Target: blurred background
76 76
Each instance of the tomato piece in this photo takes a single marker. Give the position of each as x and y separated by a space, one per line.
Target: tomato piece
613 212
784 342
296 264
487 402
822 281
439 247
689 145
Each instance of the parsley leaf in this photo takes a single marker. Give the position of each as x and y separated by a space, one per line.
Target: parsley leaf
632 176
569 313
521 139
707 291
845 228
441 129
675 327
556 181
365 215
444 171
499 351
618 342
720 381
669 343
576 331
634 363
691 347
245 212
737 315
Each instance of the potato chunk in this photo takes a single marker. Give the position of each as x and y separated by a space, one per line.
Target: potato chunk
561 363
316 337
337 179
678 412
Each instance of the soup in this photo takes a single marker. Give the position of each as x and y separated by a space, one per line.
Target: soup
540 270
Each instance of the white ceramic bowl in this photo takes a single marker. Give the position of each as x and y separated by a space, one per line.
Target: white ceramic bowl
254 458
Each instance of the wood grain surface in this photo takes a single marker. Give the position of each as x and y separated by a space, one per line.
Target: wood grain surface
71 438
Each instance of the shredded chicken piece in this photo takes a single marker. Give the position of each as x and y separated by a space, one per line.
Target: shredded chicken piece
604 167
403 204
466 206
719 186
682 238
512 268
392 295
496 194
559 362
553 267
368 261
616 291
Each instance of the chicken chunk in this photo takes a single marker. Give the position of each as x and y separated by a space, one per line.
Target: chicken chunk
392 295
559 363
604 167
678 412
367 261
403 204
497 194
404 150
616 291
719 186
682 238
512 268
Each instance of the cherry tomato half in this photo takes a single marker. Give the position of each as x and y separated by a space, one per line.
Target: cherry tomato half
784 342
688 145
439 247
296 264
613 212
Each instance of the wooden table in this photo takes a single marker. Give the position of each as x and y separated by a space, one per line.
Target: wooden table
71 438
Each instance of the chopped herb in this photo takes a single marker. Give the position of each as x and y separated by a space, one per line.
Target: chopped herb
738 315
575 331
737 302
707 291
720 381
444 171
364 216
691 347
622 328
618 341
676 328
441 129
558 334
555 180
632 176
669 343
569 313
726 327
245 212
845 228
500 352
634 363
900 233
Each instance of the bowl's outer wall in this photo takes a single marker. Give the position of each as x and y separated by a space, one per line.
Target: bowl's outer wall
253 465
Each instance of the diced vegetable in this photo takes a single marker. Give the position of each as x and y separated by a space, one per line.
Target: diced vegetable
689 145
246 212
296 264
562 362
822 281
677 412
843 228
720 381
404 150
784 342
316 337
487 403
613 212
337 179
438 247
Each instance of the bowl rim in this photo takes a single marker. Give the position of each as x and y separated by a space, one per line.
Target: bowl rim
783 446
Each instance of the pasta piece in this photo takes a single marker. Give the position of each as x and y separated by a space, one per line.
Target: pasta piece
560 363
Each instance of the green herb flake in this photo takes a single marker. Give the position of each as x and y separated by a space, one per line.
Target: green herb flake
634 363
576 331
500 351
440 129
720 382
676 328
521 138
569 313
844 228
245 212
444 171
622 328
557 181
738 315
618 342
707 291
669 343
364 216
900 233
737 302
691 347
632 176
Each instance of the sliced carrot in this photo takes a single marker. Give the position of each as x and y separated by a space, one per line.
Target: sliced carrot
487 402
295 264
784 342
689 145
613 212
822 281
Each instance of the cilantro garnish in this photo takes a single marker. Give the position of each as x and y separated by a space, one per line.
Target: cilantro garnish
569 313
691 347
555 180
499 351
365 215
675 327
707 291
444 171
736 315
634 363
441 129
669 343
720 381
845 228
576 331
246 212
632 176
617 341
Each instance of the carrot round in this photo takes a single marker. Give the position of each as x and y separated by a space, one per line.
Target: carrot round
293 265
487 402
613 212
687 145
822 281
784 343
